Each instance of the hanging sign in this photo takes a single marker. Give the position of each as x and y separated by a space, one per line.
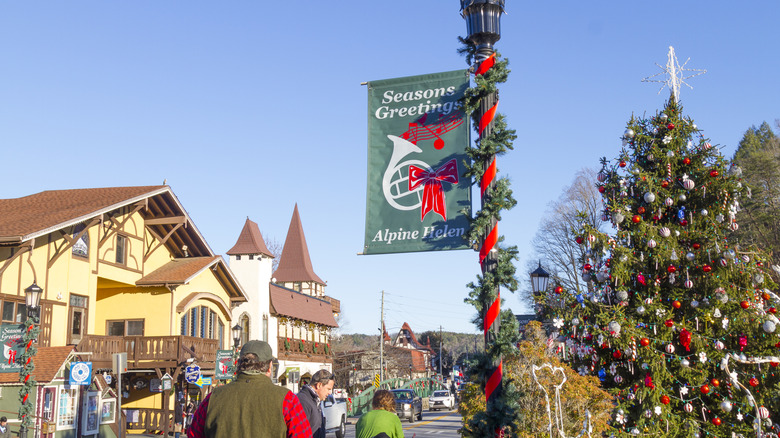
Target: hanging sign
417 198
225 365
13 347
80 373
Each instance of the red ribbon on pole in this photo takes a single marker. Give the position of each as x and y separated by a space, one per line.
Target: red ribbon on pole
492 313
489 243
488 177
433 194
486 65
487 118
494 380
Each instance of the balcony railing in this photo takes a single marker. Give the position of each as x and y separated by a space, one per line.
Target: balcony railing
298 349
334 304
148 350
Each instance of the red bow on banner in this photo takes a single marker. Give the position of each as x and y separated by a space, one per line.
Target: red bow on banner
11 357
433 195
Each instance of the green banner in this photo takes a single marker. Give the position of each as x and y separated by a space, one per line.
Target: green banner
13 346
417 198
226 366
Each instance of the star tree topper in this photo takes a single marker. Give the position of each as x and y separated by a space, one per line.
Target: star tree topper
675 74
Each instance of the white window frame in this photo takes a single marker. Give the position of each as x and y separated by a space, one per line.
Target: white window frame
73 404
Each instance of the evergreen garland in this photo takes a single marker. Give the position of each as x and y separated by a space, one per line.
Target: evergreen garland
503 412
26 408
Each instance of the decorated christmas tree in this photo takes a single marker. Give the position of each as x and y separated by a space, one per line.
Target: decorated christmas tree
679 322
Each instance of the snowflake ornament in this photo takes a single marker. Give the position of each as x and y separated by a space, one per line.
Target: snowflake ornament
667 139
658 410
703 357
684 390
558 322
725 323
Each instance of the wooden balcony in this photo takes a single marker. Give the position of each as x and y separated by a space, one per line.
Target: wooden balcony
296 349
334 303
149 351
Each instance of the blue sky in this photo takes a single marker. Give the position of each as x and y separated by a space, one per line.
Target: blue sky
247 108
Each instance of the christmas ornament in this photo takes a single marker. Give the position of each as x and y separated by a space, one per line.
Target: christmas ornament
636 219
685 339
763 412
753 382
622 163
664 232
686 161
559 290
669 348
649 197
670 126
706 268
742 340
622 295
715 382
644 342
665 399
704 212
671 269
676 304
690 256
769 326
640 310
629 133
601 177
688 408
705 389
682 197
744 304
688 284
725 406
651 243
640 210
719 345
618 218
668 202
713 173
685 363
716 421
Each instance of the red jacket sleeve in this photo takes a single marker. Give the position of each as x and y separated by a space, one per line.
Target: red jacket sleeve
295 418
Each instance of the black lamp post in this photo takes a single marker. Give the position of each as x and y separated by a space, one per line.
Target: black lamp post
32 304
539 280
237 332
410 371
483 23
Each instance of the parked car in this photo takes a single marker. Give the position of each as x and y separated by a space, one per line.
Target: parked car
335 411
441 399
407 404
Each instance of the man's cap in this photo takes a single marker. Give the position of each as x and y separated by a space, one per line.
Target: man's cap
261 349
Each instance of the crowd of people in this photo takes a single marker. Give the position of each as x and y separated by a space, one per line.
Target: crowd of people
251 405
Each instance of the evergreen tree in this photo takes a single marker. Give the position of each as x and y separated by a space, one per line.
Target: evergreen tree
758 156
679 324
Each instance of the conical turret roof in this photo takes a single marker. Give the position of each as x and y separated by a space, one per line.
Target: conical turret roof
250 241
295 263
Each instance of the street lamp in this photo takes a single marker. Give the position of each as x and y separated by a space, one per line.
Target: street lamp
26 410
483 23
410 371
237 332
539 280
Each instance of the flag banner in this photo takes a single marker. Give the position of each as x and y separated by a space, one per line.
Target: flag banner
417 198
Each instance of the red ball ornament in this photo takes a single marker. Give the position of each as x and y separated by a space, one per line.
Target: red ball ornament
687 160
705 389
640 210
683 222
559 290
714 173
716 421
744 304
636 219
670 126
715 382
696 246
669 323
602 189
753 382
676 304
671 269
587 266
616 354
706 268
622 163
772 310
765 296
644 342
579 240
774 364
665 399
664 183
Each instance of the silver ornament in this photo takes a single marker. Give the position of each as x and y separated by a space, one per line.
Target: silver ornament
650 157
640 310
682 197
725 406
769 326
622 295
664 117
704 212
629 133
649 197
685 363
690 256
618 218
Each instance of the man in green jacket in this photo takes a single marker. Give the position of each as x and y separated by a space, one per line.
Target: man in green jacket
251 405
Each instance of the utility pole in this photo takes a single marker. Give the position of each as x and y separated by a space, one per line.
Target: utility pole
441 358
382 338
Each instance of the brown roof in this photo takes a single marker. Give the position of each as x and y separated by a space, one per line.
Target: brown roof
35 213
183 270
47 362
295 263
23 219
250 241
287 302
177 271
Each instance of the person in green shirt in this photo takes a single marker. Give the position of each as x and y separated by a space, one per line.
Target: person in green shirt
382 420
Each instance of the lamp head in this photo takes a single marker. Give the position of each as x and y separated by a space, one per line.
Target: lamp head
539 279
483 22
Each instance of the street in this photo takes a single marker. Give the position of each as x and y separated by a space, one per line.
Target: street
440 424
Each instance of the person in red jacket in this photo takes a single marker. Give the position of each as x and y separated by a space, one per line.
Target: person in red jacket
251 405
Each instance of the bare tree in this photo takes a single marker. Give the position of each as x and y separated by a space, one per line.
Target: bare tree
554 243
275 247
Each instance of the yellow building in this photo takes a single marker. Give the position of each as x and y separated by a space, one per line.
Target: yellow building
122 269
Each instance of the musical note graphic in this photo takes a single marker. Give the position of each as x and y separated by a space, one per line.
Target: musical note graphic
420 131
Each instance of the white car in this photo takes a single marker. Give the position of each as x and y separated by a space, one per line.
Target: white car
441 399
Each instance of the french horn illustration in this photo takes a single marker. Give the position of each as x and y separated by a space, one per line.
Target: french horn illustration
395 182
